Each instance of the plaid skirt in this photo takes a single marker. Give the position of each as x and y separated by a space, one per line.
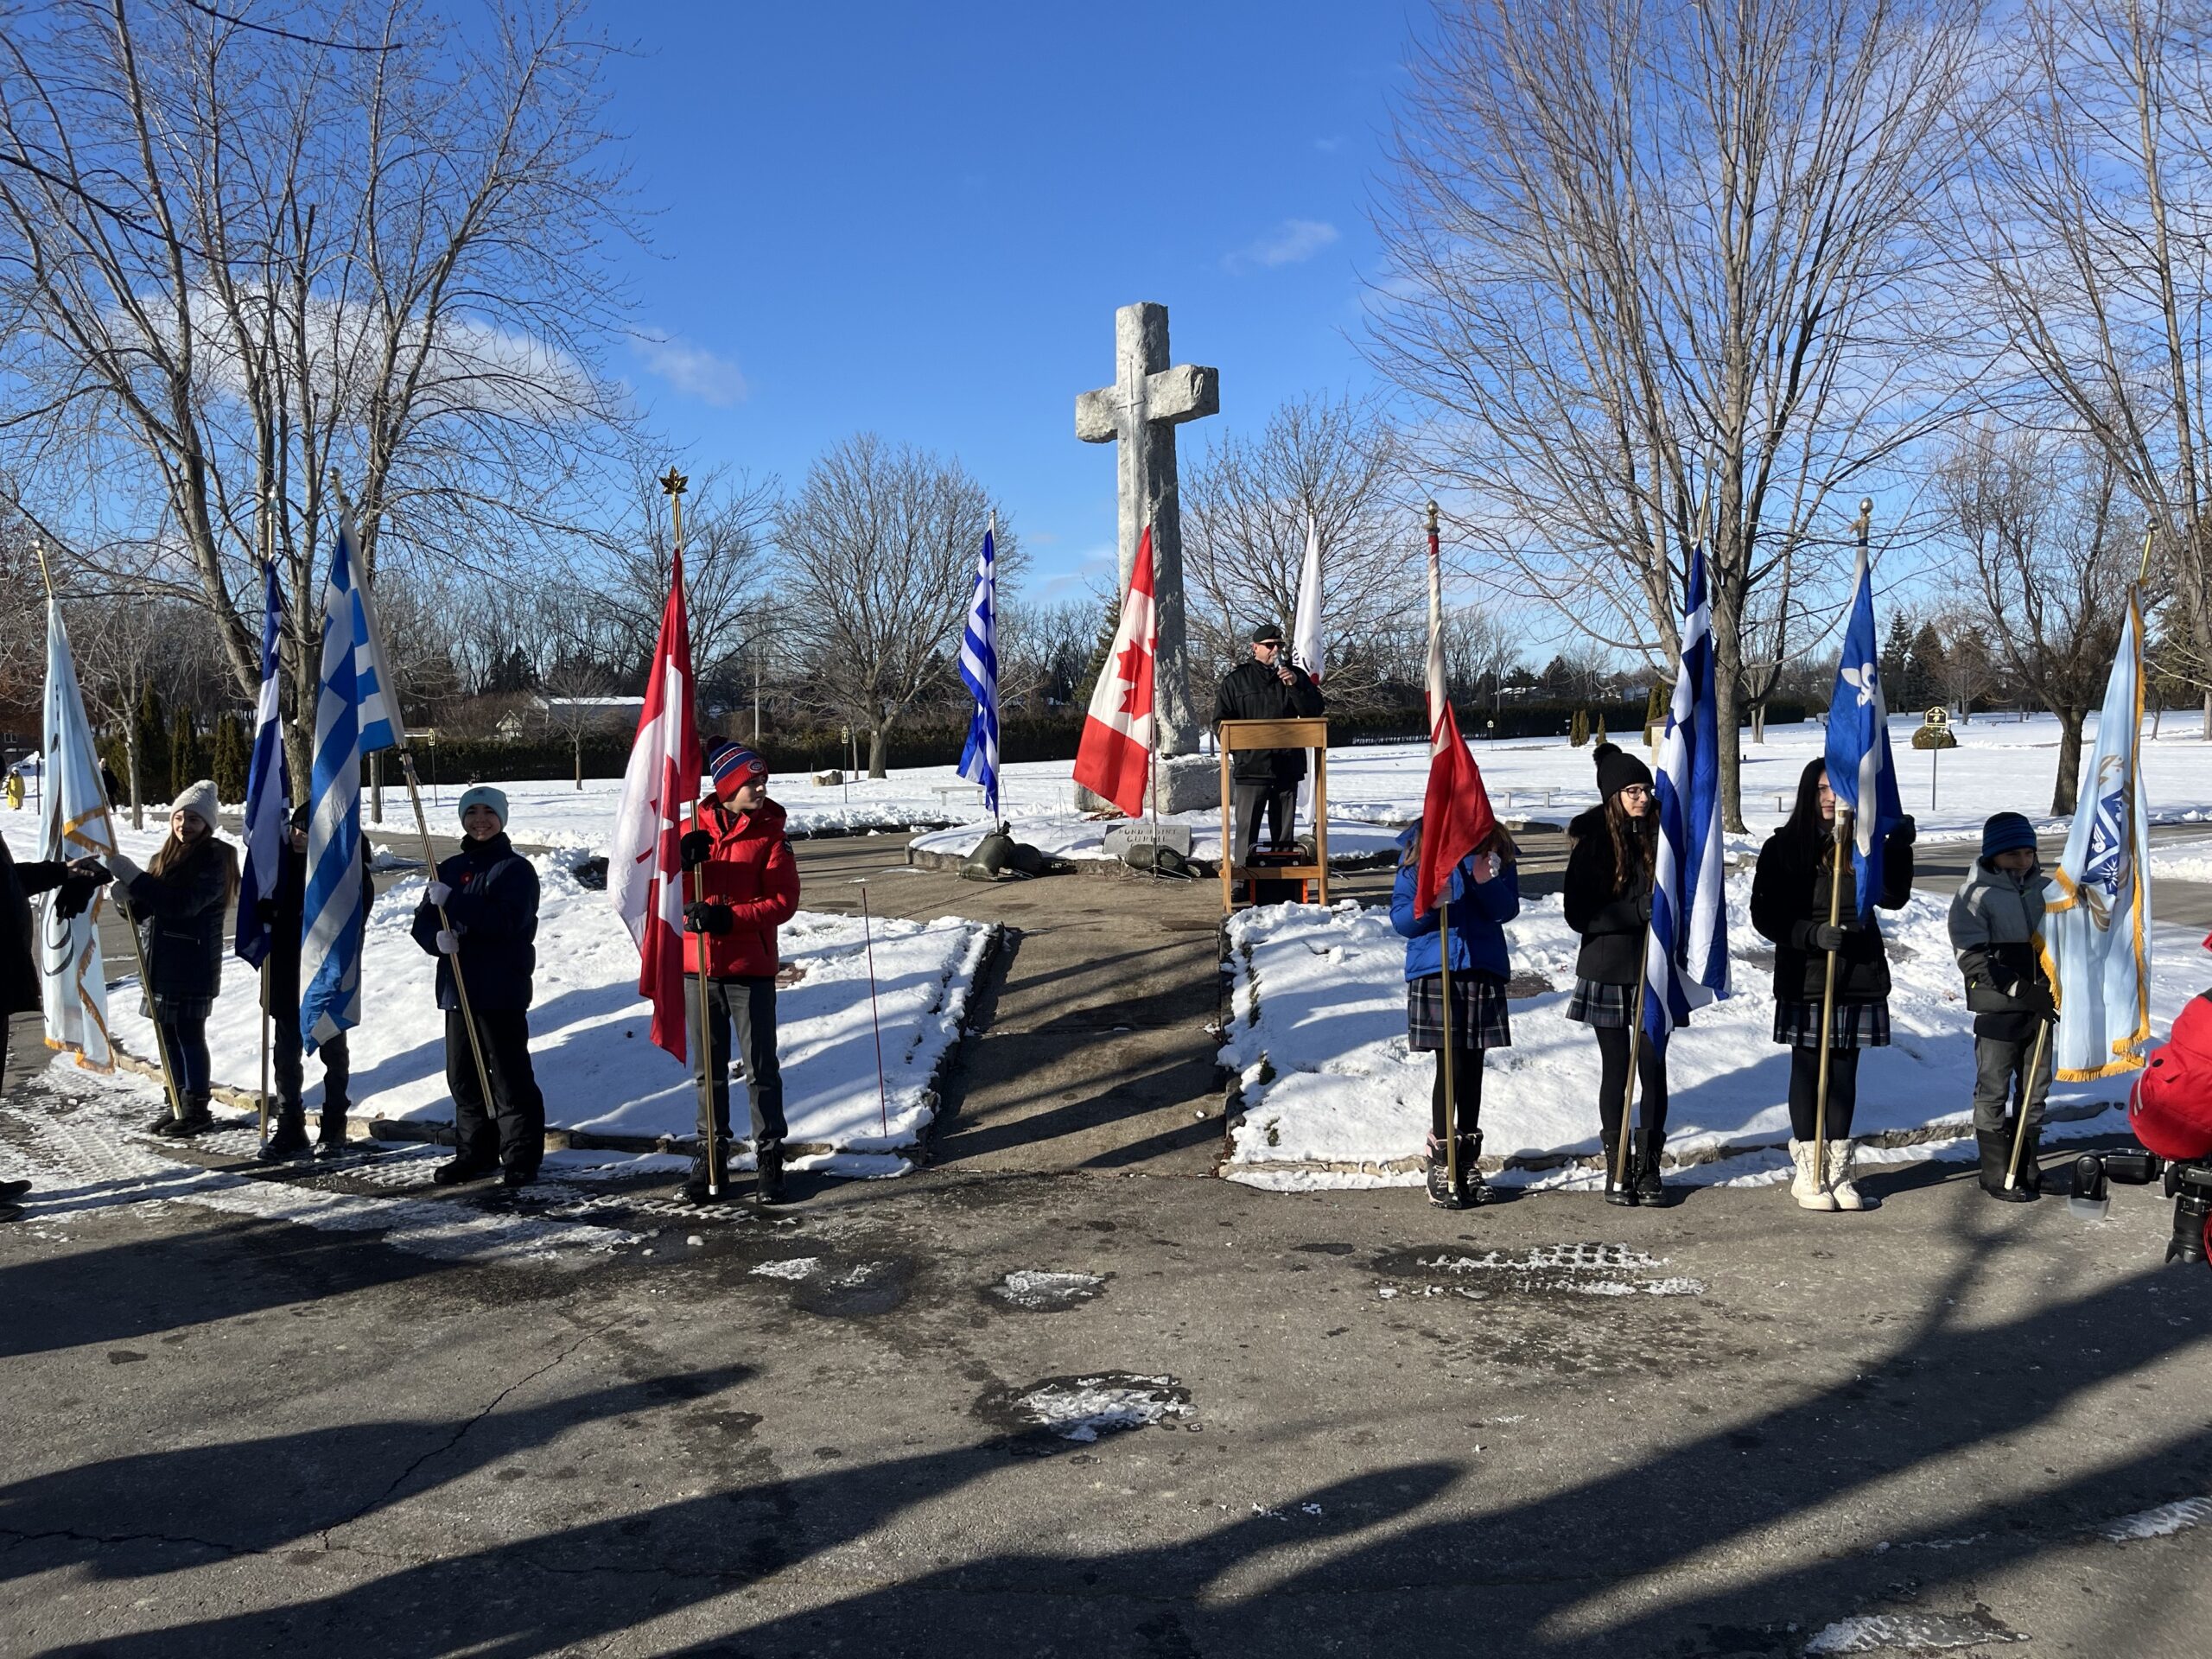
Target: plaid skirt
1477 1013
1854 1024
1594 1004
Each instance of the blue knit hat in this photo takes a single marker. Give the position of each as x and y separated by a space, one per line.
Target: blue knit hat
2006 832
485 795
732 765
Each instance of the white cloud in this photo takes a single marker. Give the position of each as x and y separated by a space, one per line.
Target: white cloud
1293 242
693 370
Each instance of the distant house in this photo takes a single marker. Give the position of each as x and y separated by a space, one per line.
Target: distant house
540 714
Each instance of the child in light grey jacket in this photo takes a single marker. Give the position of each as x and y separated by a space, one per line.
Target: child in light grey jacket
1996 928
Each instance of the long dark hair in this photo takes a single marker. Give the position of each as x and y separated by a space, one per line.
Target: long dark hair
177 859
1635 843
1809 836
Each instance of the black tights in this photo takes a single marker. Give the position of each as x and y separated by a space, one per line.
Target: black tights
1805 1090
1612 1083
1466 1084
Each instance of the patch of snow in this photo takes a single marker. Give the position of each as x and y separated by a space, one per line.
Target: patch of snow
2161 1522
796 1267
1086 1406
1033 1288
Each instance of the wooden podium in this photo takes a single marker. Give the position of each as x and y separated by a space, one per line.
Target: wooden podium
1275 735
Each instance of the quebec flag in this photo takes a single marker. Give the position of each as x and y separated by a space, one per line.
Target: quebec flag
2097 927
1686 949
1862 770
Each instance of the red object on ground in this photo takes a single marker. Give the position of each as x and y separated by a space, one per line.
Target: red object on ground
1114 760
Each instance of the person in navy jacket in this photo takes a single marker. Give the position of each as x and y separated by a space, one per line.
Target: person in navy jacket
1485 895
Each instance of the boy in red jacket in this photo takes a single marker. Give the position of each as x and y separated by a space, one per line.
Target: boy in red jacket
736 849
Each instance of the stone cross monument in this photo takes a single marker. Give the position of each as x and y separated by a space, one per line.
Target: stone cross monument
1141 410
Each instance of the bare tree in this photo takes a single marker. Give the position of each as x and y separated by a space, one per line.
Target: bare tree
1042 652
2051 566
1338 463
244 257
1649 267
727 518
2087 207
878 564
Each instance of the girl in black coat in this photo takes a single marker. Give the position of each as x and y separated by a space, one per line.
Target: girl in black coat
1790 895
178 903
490 894
1608 901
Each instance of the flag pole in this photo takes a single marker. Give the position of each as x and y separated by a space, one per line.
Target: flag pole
1451 1097
868 941
2027 1095
265 1051
705 1037
1630 1091
1827 995
123 905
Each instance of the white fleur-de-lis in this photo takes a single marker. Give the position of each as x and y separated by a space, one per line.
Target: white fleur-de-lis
1861 680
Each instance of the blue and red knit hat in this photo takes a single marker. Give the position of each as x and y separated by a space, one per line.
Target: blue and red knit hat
732 765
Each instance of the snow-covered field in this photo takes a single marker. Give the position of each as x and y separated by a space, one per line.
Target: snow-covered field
1333 1097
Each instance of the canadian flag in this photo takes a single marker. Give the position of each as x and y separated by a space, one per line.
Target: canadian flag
1114 760
644 863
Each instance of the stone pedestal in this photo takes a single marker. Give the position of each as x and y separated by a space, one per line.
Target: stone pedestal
1187 782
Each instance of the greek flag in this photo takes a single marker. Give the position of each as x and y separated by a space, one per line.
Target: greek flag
2097 929
979 672
73 982
268 788
356 714
1686 953
1860 769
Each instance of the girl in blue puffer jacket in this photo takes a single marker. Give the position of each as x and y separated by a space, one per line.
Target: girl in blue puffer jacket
1487 894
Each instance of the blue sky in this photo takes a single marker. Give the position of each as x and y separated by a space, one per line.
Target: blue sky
918 220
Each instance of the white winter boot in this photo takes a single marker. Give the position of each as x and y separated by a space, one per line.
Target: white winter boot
1843 1161
1806 1187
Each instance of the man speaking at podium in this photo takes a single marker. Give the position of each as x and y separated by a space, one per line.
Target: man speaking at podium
1269 687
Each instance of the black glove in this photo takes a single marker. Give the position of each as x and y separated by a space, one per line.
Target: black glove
1905 832
1644 906
709 918
1830 936
75 895
92 870
698 846
264 912
2041 1003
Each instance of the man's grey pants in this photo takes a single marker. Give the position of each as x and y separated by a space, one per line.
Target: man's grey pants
1279 800
2000 1070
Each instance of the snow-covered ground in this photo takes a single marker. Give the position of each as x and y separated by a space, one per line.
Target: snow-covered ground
1332 1095
589 1027
2001 763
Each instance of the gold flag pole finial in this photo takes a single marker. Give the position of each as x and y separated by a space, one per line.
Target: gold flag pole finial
45 574
1432 518
2142 574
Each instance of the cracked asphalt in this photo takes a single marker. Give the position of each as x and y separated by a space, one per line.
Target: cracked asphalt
1339 1423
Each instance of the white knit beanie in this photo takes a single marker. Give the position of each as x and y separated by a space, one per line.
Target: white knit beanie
200 799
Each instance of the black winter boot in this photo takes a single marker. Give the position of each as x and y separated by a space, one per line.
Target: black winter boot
330 1140
459 1171
1996 1151
1649 1189
289 1139
1438 1181
2031 1181
1472 1189
10 1191
1624 1196
769 1186
197 1119
696 1188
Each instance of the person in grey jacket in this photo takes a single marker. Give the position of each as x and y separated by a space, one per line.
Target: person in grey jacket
1996 926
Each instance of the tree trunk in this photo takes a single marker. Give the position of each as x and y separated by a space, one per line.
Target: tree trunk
1727 658
2207 717
1759 722
879 752
130 765
578 743
2069 760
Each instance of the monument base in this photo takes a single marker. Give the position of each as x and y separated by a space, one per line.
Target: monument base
1187 782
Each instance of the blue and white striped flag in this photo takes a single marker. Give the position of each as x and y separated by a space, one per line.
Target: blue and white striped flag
1862 770
979 672
2097 929
73 982
356 714
1686 953
268 788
